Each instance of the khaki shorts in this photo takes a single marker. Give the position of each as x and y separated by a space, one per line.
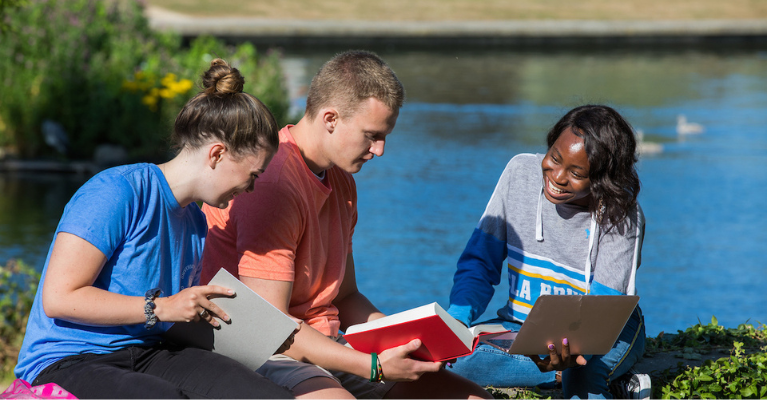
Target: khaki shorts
289 372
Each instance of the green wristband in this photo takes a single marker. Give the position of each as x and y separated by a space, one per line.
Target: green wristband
373 367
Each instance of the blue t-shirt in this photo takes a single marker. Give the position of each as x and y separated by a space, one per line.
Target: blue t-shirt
149 240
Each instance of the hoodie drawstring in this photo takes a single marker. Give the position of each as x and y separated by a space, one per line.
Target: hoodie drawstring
593 232
538 219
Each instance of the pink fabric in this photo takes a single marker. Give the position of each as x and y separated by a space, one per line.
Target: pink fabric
20 389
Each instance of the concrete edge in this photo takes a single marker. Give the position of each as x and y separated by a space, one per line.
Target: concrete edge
186 25
319 28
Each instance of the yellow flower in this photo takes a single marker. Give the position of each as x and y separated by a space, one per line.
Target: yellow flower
186 84
150 101
168 80
166 93
146 82
182 86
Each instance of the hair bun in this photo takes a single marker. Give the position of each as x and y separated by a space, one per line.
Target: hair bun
222 78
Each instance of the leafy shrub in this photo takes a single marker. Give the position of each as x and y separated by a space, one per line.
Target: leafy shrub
707 336
18 285
96 68
517 393
741 375
6 5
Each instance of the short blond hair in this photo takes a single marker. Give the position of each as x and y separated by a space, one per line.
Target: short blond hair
350 78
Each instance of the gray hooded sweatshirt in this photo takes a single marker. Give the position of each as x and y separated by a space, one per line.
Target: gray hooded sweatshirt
546 248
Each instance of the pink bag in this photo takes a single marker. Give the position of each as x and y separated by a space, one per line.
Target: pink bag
20 389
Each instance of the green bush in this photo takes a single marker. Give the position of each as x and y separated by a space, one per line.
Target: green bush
96 67
5 6
18 285
741 375
516 393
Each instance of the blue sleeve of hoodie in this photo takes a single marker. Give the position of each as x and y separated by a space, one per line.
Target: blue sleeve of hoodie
479 270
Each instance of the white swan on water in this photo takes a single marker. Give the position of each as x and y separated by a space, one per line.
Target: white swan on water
687 128
647 148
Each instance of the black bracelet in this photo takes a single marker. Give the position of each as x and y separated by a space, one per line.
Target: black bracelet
149 306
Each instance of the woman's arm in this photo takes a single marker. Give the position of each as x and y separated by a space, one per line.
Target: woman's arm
478 272
480 266
69 294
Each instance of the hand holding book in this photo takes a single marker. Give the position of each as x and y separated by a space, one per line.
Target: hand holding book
399 366
442 337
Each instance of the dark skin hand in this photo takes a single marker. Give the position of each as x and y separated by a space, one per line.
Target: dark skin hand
557 362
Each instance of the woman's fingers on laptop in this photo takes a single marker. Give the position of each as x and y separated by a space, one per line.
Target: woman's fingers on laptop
556 361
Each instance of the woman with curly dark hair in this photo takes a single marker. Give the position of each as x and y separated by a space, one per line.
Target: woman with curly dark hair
564 222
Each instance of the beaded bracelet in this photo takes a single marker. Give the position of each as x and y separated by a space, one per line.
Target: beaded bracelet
376 371
380 369
149 306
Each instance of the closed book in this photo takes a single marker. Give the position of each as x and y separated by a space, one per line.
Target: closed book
255 331
442 336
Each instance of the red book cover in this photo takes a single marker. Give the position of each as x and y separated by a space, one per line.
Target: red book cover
439 343
442 337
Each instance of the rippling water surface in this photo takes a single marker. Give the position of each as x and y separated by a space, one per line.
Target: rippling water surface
469 112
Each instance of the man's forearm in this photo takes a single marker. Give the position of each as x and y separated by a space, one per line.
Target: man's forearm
355 308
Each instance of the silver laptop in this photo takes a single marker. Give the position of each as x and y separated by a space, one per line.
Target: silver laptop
591 324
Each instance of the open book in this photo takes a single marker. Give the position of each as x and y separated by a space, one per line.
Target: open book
442 336
256 331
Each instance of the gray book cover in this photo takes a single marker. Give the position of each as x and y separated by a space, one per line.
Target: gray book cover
256 329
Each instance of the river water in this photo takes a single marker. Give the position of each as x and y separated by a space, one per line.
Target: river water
469 111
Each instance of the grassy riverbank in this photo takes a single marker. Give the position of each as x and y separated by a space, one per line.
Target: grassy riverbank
473 10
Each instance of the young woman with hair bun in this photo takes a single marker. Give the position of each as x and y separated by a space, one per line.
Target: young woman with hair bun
126 256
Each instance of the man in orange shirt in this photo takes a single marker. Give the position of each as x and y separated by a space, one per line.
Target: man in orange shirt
291 240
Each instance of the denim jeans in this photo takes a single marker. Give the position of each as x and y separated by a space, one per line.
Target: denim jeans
489 366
